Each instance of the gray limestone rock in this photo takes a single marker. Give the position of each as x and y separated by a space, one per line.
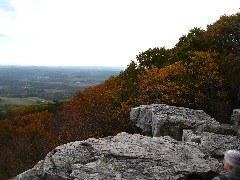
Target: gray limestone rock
226 129
123 156
160 119
213 144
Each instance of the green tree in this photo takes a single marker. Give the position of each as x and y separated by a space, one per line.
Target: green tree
193 41
126 83
158 57
224 39
224 35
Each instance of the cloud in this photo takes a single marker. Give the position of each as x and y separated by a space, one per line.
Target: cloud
6 5
4 35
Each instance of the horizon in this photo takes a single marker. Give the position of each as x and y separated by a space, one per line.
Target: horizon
82 66
93 33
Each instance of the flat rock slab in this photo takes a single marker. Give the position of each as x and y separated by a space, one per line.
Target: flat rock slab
123 156
213 144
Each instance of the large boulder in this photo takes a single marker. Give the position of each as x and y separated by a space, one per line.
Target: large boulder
160 119
123 156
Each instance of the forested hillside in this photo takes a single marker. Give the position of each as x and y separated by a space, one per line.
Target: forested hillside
202 71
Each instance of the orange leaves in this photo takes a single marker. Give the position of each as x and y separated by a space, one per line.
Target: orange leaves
158 85
91 112
192 83
25 140
34 126
6 131
203 70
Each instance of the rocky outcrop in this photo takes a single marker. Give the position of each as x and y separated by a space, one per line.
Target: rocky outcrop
160 119
211 144
123 156
197 144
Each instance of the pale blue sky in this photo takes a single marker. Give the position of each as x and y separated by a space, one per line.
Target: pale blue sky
98 32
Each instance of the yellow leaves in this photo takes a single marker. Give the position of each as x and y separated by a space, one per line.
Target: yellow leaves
161 85
189 83
201 55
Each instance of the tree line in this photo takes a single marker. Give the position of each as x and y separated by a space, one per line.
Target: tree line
201 71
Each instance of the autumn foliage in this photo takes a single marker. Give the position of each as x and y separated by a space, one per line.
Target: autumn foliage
201 72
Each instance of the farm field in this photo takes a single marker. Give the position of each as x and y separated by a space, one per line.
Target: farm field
22 101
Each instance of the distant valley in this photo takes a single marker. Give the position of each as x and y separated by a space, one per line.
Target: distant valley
28 85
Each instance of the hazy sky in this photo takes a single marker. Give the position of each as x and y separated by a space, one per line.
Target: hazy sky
98 32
